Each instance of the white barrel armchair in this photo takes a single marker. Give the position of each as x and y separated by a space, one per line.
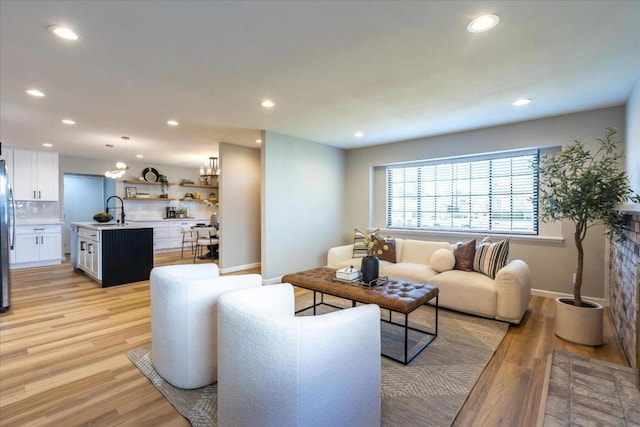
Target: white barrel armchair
276 369
184 302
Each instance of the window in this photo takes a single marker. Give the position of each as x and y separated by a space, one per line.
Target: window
493 193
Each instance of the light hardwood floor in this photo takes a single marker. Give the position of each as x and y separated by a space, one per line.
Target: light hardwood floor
63 361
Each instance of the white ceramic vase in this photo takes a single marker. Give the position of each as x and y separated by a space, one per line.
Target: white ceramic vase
580 325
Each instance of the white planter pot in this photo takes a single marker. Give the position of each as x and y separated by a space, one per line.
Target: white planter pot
580 325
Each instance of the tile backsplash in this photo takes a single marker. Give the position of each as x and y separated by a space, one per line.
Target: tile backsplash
27 211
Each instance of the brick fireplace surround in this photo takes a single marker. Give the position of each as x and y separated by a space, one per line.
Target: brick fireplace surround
624 280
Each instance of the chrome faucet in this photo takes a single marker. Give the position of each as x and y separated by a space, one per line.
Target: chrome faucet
106 205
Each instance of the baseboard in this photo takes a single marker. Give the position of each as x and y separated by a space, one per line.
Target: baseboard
550 294
272 281
239 268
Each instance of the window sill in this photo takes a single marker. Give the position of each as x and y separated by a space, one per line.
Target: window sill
454 236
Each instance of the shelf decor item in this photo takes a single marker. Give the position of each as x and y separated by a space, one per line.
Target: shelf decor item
130 192
150 174
162 179
584 188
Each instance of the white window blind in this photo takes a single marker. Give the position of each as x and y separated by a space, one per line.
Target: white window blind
493 193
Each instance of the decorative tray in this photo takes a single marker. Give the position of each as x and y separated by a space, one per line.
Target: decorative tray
377 282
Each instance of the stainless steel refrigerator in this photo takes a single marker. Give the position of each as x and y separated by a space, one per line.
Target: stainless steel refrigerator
7 236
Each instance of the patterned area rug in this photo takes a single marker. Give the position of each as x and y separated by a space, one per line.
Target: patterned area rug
584 391
428 392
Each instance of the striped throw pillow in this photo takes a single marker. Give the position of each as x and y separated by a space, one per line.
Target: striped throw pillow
491 257
359 248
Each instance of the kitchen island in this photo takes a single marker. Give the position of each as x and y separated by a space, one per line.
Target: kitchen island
110 253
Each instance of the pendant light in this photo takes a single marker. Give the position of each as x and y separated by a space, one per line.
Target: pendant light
209 172
121 167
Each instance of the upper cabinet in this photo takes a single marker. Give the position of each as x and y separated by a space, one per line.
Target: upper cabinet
35 175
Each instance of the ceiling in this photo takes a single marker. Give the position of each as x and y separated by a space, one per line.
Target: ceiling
393 70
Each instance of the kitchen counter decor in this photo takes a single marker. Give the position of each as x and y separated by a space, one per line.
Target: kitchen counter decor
102 217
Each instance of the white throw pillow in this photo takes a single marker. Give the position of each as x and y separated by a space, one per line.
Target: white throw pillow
442 260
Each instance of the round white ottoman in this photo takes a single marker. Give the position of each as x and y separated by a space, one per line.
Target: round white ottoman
184 321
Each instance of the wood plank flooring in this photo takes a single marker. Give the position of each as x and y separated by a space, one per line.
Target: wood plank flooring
63 361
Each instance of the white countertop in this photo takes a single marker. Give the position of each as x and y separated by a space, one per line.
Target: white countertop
172 219
107 225
30 222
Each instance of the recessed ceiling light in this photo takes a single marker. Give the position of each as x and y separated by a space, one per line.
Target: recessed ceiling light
259 141
68 122
172 123
63 32
139 156
483 23
267 103
522 101
46 144
35 92
358 134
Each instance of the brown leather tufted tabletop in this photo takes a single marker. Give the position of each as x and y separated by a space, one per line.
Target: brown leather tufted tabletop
397 295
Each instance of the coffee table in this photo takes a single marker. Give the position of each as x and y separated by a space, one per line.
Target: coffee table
399 296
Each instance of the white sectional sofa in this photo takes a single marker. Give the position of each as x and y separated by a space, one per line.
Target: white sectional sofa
504 298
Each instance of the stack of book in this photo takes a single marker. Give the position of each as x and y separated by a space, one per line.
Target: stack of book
349 274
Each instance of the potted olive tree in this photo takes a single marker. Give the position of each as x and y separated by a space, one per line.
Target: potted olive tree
583 188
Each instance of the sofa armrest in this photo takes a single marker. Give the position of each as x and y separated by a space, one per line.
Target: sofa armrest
513 285
339 253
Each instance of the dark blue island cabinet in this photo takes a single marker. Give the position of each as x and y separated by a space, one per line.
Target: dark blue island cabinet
112 254
127 255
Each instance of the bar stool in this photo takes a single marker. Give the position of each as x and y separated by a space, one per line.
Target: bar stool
187 237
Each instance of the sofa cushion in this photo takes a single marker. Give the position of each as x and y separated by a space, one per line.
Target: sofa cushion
407 271
384 249
359 248
419 251
464 255
442 260
491 257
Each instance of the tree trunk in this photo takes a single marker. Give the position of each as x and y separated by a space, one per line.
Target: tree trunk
577 285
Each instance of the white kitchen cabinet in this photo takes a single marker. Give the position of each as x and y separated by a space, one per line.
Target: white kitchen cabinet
35 175
89 252
167 234
37 245
26 248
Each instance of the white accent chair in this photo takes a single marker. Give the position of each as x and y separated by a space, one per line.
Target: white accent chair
184 312
279 370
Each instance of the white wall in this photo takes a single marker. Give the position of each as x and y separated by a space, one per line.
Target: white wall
239 212
302 203
552 262
633 138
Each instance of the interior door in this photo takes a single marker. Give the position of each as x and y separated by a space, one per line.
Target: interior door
83 198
